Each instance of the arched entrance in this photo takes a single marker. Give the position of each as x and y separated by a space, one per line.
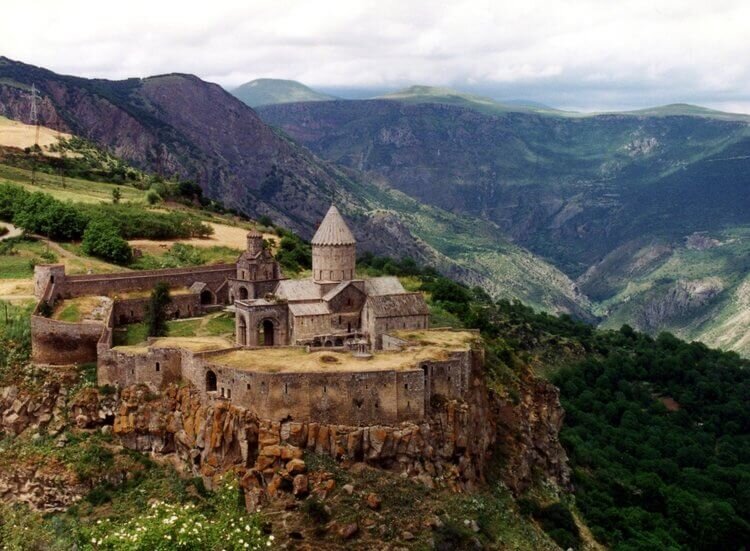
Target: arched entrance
243 293
265 330
241 331
207 297
210 381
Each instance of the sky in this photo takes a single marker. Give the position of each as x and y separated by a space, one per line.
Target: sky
587 55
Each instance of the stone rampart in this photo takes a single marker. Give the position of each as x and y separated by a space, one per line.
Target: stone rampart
59 342
69 286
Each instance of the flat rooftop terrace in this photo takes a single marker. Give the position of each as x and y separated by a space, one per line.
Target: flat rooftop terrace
447 338
297 360
194 344
76 310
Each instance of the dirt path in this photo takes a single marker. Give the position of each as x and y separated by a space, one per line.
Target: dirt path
12 231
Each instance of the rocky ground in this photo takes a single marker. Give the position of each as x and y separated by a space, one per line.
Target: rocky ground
412 485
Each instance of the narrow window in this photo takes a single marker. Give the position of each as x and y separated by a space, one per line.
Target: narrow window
158 367
406 386
248 386
286 388
325 389
222 392
229 393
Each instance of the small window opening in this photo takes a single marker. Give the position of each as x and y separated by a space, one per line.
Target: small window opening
158 367
229 393
286 388
248 386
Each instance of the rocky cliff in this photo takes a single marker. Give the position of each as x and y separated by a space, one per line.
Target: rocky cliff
452 448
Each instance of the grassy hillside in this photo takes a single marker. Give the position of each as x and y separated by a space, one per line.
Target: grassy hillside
448 96
697 289
268 91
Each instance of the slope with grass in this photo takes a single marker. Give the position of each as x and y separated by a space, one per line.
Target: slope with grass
267 91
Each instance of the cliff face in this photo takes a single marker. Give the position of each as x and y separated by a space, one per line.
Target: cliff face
454 447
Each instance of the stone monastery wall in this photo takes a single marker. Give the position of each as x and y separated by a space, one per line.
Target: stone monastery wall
56 342
343 397
70 286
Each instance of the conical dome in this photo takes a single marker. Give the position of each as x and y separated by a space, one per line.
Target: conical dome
333 230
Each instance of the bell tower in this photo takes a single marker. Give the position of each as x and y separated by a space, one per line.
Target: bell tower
333 250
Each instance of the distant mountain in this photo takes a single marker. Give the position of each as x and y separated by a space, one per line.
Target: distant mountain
448 96
269 91
180 125
592 194
687 110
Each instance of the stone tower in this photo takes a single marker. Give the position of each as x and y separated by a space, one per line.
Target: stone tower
254 242
333 249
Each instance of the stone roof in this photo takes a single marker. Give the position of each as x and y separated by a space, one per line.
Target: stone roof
387 285
254 233
298 289
403 304
309 309
340 287
333 230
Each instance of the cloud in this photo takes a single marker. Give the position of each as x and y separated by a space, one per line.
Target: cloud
581 54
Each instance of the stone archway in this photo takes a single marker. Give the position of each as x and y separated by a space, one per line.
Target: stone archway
244 293
207 297
210 381
241 331
266 330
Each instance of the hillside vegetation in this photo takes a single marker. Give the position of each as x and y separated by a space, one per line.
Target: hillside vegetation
267 91
613 201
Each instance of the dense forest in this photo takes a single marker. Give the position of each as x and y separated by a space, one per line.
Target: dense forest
656 429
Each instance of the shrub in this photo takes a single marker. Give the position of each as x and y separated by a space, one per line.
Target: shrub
102 239
152 197
316 510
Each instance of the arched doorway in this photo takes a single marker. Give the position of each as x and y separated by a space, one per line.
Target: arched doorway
241 331
265 338
210 381
243 293
207 297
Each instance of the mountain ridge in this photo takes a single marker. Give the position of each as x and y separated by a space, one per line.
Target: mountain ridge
269 91
180 125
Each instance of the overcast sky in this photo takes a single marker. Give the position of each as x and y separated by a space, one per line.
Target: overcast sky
582 54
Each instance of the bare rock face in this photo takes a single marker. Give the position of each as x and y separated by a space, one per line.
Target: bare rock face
452 446
528 436
680 299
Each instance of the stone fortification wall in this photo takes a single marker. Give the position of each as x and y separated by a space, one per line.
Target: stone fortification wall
60 343
346 397
156 368
133 310
68 286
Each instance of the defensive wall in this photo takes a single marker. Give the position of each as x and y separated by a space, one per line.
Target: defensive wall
71 286
60 342
352 396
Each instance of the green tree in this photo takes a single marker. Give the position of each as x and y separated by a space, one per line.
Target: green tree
116 195
102 238
156 311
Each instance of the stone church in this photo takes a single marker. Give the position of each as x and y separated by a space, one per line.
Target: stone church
330 309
